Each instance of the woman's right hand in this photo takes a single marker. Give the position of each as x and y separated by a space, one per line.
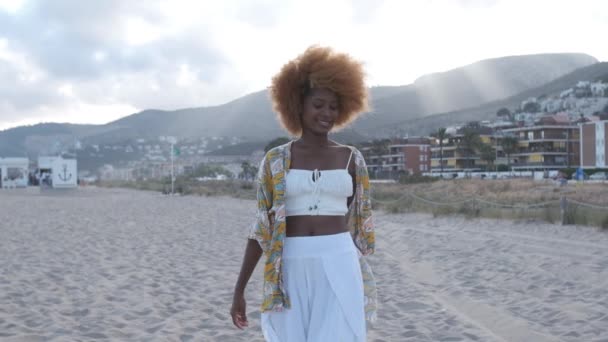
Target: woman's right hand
238 310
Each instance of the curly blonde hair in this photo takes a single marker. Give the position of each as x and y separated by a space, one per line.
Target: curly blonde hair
319 67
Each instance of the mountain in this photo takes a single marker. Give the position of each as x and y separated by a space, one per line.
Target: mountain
251 116
248 116
470 86
16 141
487 111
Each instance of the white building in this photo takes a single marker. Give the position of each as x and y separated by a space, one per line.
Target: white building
58 172
13 172
598 89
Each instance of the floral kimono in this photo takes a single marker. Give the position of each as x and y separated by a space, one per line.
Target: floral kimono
270 226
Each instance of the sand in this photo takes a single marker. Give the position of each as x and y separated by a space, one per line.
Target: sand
121 265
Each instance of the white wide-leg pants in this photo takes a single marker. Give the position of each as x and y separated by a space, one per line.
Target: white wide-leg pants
322 277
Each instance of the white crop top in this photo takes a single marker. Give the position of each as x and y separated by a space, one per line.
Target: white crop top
318 192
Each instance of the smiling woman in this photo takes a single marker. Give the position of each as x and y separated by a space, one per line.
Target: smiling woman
314 222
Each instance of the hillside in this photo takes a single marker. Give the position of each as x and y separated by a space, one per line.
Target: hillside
488 110
479 86
251 116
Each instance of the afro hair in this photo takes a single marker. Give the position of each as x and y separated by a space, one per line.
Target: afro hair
319 67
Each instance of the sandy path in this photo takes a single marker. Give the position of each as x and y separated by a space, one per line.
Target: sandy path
137 266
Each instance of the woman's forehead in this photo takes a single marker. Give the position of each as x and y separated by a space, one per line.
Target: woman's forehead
323 93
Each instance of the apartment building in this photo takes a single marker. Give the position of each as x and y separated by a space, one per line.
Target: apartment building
546 146
455 156
389 159
594 144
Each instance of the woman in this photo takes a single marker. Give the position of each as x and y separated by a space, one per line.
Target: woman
314 213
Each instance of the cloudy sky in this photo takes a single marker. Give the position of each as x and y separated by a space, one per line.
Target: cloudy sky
97 60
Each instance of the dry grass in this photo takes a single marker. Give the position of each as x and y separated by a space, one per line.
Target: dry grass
233 188
519 193
394 198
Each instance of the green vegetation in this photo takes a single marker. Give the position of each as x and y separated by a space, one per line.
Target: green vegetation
505 113
487 154
509 146
469 144
249 171
441 135
502 168
531 107
205 170
187 186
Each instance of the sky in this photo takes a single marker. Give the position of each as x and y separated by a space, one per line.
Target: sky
95 61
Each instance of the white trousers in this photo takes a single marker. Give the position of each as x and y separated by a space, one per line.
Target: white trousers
322 277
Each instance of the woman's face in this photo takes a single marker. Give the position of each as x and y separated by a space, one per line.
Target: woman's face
320 111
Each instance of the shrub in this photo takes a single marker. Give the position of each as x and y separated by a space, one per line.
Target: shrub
502 168
568 172
416 178
604 223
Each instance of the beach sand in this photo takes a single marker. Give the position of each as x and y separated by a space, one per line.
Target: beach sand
122 265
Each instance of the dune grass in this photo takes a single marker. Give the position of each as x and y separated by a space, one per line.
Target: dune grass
508 199
512 199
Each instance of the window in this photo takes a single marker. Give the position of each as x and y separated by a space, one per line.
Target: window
530 135
13 173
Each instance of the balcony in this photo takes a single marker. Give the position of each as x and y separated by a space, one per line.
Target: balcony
543 151
542 165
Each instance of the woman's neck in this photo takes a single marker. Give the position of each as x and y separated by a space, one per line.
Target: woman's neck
312 140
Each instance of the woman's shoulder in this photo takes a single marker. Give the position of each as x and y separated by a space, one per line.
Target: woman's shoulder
277 151
345 147
351 149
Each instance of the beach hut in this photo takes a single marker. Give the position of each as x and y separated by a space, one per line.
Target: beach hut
57 172
13 172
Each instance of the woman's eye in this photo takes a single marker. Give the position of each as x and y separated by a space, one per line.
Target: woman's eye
321 105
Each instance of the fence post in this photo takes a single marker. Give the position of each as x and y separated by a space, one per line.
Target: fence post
563 207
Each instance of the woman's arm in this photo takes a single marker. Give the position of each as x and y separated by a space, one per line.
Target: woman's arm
253 252
259 237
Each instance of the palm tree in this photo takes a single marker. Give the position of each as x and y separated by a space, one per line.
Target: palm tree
487 154
378 149
249 171
505 112
441 135
469 143
509 146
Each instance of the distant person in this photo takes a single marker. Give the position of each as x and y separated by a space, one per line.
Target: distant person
314 222
46 179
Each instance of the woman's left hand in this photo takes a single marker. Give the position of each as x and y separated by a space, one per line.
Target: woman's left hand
238 311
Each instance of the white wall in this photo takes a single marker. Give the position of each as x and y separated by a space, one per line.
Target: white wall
64 172
21 164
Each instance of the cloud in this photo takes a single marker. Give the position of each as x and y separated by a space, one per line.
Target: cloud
105 59
109 53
